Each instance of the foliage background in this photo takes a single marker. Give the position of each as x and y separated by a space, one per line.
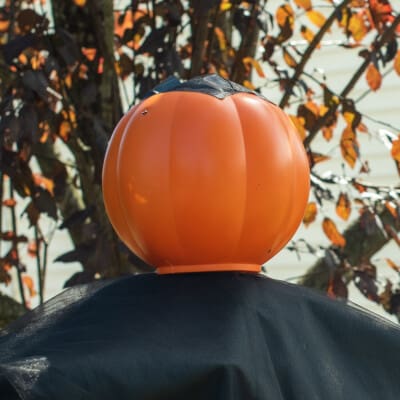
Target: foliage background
69 69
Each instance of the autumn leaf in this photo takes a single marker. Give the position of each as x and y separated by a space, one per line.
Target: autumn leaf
221 38
65 130
80 3
349 146
343 206
283 13
396 63
9 202
89 52
374 77
308 34
310 213
247 61
327 132
249 85
392 264
44 182
330 230
317 18
395 150
28 282
32 248
315 158
298 122
289 60
357 26
225 5
306 4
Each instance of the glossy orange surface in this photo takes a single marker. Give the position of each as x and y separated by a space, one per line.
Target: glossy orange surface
194 183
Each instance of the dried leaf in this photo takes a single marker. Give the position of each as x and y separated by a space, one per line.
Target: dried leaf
337 289
317 18
9 202
221 38
298 122
395 151
284 13
32 248
357 26
80 3
315 158
306 4
248 85
308 34
225 5
392 265
343 206
367 286
374 77
349 146
289 60
396 63
247 61
28 282
327 132
310 213
332 233
65 130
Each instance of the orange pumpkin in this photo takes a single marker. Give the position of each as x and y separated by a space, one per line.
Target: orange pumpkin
193 182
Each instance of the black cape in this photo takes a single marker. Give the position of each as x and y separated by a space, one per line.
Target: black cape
198 336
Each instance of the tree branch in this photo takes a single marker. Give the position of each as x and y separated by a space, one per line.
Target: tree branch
307 54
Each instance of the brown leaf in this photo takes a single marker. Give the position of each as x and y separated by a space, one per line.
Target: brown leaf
392 208
219 33
310 213
317 18
374 77
396 63
337 289
330 230
9 202
315 158
349 146
343 206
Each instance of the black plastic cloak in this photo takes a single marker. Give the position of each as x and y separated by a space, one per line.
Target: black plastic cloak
198 336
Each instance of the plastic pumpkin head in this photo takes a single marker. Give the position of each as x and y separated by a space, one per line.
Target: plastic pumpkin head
205 176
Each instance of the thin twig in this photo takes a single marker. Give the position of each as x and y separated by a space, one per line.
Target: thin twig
384 38
307 54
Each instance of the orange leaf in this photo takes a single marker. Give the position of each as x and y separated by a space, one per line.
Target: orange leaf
298 122
65 130
349 146
44 182
80 3
4 25
248 85
317 18
332 233
225 5
9 202
396 63
28 282
32 248
283 13
327 132
374 77
316 158
308 34
343 206
395 151
256 65
221 38
306 4
310 213
357 26
392 265
289 60
89 53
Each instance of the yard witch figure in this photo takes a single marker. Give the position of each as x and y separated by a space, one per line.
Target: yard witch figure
205 180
